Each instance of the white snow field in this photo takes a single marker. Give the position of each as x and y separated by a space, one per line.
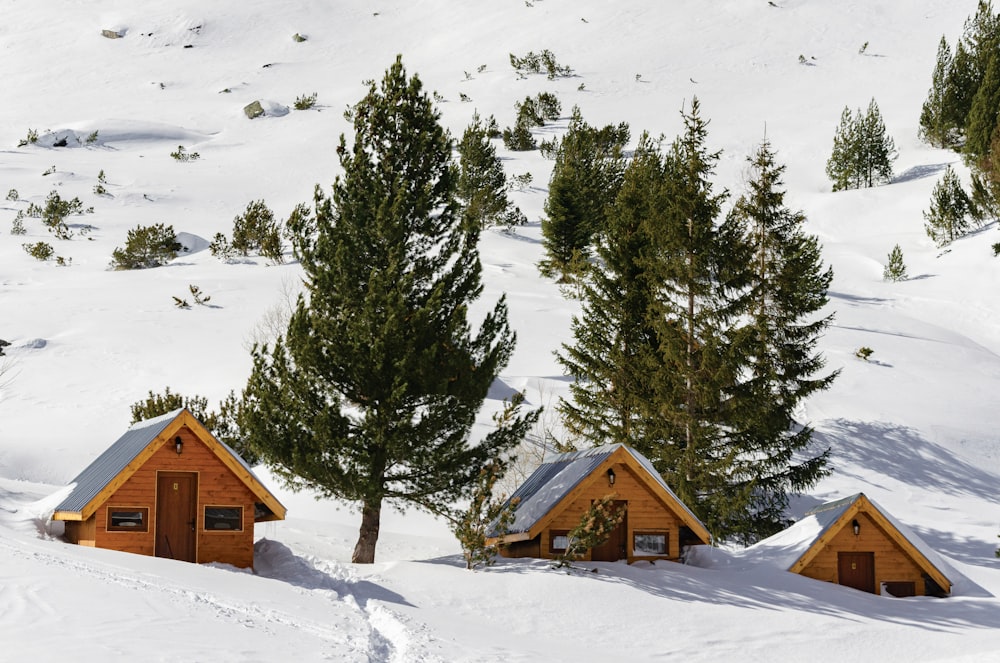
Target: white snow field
915 428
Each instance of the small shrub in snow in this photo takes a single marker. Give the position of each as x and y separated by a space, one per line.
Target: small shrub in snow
864 352
55 212
996 249
92 137
30 139
257 230
305 102
948 216
147 246
39 250
181 154
99 188
13 195
536 63
17 225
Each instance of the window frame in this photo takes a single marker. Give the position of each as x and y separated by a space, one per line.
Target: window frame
553 535
144 520
217 530
651 532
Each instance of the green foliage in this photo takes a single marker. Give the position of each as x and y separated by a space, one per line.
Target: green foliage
55 212
895 268
221 248
536 63
39 250
532 112
488 516
17 225
373 391
305 101
939 125
181 154
862 152
482 185
145 247
223 424
92 137
951 208
864 352
100 189
585 180
257 230
13 195
30 139
595 527
199 295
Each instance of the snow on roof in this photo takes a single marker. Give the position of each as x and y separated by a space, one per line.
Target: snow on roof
115 458
785 548
559 474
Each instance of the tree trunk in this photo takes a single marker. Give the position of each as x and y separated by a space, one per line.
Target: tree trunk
371 513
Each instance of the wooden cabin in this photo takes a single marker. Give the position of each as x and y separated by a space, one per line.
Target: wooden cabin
859 545
657 525
168 488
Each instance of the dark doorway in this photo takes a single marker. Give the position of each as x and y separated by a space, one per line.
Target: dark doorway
857 570
176 515
614 548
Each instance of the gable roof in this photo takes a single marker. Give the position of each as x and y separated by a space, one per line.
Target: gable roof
558 478
797 546
99 480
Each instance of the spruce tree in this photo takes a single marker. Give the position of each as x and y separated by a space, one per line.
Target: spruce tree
613 339
786 287
841 167
482 185
585 180
962 83
690 318
372 392
878 148
950 210
862 151
982 118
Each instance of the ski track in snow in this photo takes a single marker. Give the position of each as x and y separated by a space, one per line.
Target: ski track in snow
372 633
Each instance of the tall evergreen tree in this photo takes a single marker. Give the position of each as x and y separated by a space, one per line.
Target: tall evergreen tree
373 390
787 288
585 180
841 166
936 126
613 338
878 149
960 89
982 118
950 210
690 317
482 184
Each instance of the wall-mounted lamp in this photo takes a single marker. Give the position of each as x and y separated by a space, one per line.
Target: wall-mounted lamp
178 445
857 526
611 477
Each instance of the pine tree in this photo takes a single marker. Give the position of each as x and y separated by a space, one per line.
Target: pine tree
612 336
948 216
934 118
372 392
962 83
841 167
482 185
895 269
690 318
786 289
585 180
862 151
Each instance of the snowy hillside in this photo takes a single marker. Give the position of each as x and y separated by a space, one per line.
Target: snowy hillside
915 427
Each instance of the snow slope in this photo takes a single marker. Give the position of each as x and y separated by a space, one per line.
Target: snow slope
914 428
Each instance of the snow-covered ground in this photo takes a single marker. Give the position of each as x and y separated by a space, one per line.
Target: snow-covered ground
915 428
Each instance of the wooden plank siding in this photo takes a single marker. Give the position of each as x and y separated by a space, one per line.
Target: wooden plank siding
892 564
646 511
217 486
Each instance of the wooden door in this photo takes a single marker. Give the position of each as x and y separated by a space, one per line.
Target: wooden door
614 548
857 570
176 515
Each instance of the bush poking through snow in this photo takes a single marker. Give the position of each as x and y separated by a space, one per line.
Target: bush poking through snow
39 250
485 515
305 102
30 139
948 216
181 154
257 230
864 352
146 247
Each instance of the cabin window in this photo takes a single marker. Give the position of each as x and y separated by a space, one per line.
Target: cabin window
128 519
646 544
223 518
558 540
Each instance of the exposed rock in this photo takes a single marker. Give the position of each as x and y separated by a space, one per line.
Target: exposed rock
113 34
253 110
299 38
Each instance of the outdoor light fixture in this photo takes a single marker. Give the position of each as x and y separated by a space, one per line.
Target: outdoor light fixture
611 477
857 527
179 445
